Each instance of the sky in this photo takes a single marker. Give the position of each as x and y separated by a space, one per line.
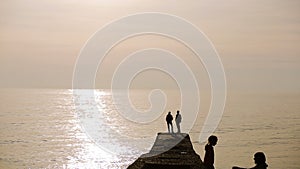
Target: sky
257 41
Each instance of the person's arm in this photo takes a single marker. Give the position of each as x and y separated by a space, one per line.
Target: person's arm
235 167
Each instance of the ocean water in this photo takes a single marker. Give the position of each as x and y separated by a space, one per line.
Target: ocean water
45 128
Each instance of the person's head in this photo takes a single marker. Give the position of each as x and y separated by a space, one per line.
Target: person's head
212 140
259 158
177 111
169 112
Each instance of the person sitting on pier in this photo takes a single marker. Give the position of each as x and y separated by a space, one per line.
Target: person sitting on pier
169 120
209 156
260 161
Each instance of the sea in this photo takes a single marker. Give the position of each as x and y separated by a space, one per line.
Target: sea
60 128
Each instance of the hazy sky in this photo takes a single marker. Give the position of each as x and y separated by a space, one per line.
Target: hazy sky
258 41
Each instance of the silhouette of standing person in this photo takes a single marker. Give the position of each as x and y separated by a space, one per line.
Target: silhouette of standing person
178 121
169 120
259 160
209 157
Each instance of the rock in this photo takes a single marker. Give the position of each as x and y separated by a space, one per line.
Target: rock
170 151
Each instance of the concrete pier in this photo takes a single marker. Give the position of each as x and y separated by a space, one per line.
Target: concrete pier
170 151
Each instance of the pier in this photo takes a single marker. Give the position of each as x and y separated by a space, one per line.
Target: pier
170 151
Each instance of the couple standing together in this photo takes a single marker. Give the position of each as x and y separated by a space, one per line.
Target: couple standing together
169 120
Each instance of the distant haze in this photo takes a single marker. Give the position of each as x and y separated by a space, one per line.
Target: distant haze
258 41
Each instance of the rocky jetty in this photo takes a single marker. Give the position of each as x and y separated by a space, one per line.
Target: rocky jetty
170 151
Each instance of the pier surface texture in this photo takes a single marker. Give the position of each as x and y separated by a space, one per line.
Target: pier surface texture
170 151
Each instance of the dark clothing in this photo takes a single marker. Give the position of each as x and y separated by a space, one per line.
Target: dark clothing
260 166
169 120
170 124
209 157
209 167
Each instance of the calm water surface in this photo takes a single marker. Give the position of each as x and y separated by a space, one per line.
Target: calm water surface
41 128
